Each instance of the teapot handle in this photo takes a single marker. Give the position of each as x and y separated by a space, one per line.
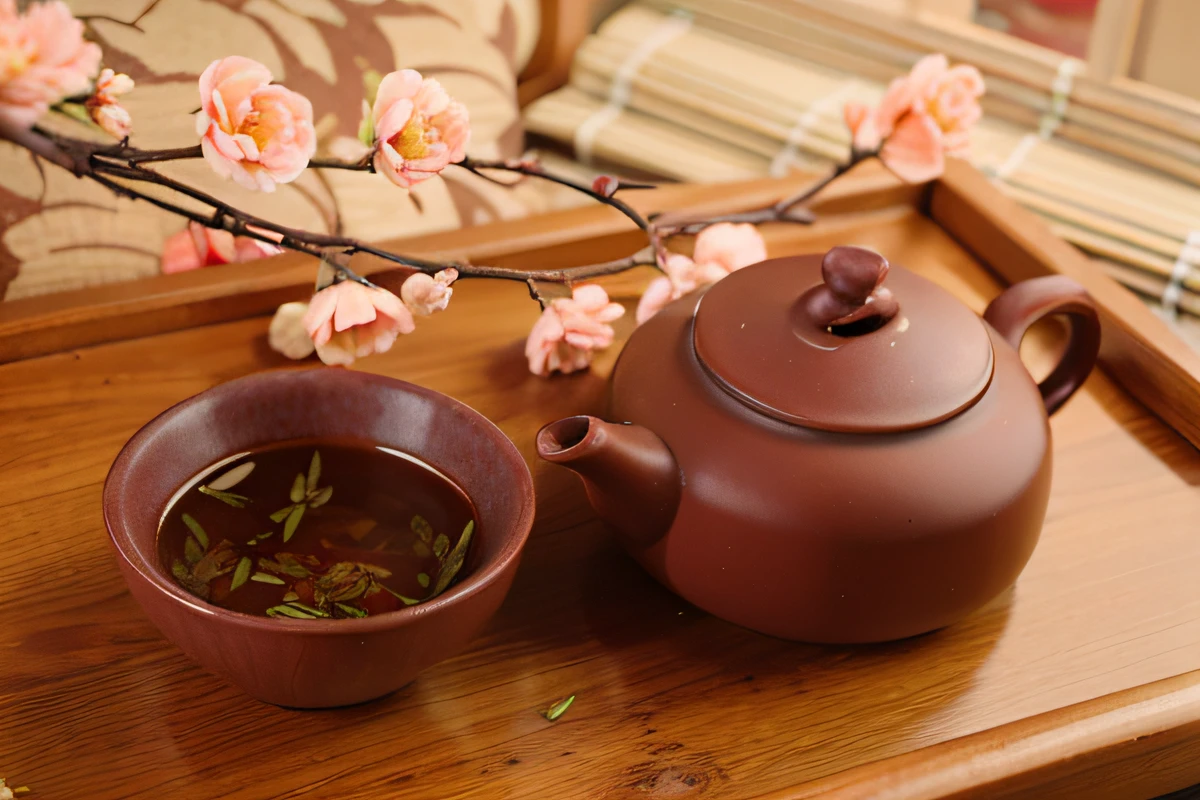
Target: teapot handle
1025 303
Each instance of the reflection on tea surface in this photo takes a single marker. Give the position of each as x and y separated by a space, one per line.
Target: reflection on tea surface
317 529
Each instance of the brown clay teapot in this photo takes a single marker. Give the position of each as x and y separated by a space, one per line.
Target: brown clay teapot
809 452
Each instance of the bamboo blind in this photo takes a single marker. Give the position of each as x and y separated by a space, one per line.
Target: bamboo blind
712 90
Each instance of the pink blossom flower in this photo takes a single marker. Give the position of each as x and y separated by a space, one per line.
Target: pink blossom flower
287 334
720 249
197 246
425 294
730 246
348 321
104 107
258 133
43 58
570 330
922 117
419 130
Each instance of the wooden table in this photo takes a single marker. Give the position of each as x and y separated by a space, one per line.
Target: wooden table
1079 682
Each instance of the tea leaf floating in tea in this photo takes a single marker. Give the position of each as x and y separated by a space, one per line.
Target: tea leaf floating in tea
229 498
242 573
558 709
288 611
315 612
314 473
192 551
304 494
422 528
196 530
381 542
293 521
290 564
408 601
232 478
454 561
350 611
297 489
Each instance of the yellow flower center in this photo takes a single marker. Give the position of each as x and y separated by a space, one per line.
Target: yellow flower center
412 142
13 63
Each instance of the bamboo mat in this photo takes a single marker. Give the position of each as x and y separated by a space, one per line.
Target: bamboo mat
716 93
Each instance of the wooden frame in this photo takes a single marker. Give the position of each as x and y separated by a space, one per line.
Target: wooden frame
564 23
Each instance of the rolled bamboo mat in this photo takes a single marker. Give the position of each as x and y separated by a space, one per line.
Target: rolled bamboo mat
704 105
1157 128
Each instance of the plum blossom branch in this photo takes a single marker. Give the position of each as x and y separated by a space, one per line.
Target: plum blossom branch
260 134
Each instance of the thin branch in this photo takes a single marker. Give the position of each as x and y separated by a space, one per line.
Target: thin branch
786 210
116 166
535 294
149 156
364 164
535 170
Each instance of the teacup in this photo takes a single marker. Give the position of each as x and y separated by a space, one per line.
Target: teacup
321 662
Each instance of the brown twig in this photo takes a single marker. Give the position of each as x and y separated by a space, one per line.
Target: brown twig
534 169
115 166
119 167
786 210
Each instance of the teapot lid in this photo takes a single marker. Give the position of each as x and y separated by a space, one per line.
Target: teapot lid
820 342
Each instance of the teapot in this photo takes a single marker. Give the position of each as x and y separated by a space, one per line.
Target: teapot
807 452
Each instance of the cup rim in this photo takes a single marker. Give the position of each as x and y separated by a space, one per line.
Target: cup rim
475 583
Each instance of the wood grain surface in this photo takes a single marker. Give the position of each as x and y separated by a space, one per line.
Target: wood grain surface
671 703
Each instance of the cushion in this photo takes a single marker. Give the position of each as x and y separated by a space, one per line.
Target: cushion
57 232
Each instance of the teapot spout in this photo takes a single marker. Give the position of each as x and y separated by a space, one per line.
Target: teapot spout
630 475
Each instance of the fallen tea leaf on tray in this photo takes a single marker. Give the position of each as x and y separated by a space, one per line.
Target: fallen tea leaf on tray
262 577
233 477
314 472
6 792
297 493
196 530
242 573
293 521
558 709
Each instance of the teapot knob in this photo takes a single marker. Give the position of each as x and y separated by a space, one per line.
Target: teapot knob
852 291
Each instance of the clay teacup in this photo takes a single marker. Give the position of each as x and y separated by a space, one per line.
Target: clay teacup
320 663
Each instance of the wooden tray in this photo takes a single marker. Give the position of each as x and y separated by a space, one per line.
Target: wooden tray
1079 682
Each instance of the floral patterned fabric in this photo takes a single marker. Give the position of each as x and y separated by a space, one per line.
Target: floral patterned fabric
57 232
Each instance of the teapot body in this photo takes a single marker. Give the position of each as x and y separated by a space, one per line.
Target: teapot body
835 537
